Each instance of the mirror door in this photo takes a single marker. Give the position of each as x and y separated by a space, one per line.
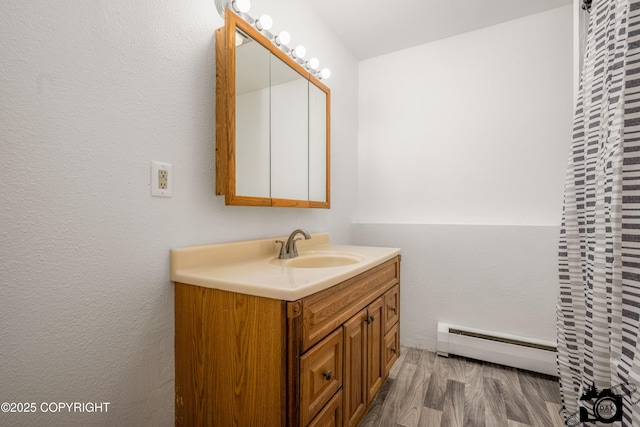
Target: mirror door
318 145
289 133
253 165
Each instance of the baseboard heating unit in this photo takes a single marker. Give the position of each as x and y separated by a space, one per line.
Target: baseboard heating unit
503 349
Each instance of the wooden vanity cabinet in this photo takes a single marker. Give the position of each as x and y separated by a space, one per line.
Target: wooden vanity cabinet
319 361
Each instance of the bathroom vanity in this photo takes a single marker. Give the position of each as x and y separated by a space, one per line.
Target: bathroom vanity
260 341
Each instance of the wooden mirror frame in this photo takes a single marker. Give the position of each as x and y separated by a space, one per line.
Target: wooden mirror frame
226 115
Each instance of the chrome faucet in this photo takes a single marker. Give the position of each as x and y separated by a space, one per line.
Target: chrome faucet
289 250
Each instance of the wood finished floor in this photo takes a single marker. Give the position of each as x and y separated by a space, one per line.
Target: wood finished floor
429 391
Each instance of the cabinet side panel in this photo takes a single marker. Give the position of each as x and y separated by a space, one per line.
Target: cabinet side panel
190 354
183 357
230 358
257 356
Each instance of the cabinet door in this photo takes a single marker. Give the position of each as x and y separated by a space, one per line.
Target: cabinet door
355 368
391 307
375 340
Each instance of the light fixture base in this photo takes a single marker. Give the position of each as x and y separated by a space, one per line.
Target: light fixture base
221 5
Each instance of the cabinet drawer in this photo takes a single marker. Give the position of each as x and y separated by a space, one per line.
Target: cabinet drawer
391 307
326 310
391 349
331 415
320 375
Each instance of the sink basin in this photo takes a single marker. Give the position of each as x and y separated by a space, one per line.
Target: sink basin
319 260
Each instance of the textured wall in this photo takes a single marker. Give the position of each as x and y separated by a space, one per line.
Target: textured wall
91 92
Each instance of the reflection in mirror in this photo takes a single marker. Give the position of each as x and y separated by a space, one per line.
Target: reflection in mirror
252 118
289 133
317 144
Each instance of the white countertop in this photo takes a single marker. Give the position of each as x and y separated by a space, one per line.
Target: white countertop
252 267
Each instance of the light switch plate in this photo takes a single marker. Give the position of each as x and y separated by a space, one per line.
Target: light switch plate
161 179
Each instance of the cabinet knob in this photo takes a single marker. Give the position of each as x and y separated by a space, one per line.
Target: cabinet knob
393 350
369 319
327 375
393 309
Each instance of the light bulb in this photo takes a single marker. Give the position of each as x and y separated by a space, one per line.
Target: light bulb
264 22
283 38
299 52
325 73
241 5
313 64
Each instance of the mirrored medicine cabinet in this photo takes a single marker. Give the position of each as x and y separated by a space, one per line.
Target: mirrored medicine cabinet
272 123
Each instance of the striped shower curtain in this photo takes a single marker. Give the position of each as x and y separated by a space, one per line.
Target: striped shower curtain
599 303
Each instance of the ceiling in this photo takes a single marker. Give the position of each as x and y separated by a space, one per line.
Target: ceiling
375 27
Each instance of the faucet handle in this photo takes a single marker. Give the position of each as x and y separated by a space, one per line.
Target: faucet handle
294 249
282 250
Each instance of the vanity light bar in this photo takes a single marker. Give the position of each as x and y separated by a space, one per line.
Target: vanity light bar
282 39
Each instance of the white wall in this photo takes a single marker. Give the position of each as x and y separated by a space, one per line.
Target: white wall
472 129
497 278
463 148
91 92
